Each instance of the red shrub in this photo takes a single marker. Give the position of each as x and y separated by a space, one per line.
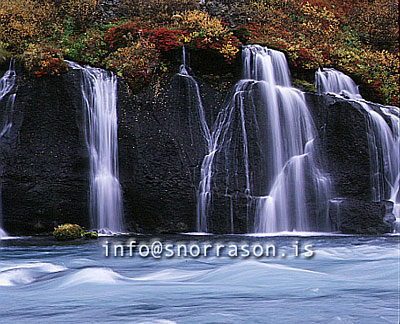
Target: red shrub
166 39
122 35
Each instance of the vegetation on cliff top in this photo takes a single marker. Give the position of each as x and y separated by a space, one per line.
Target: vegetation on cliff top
142 38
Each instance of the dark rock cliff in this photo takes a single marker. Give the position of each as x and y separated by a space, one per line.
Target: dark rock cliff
161 147
45 174
342 126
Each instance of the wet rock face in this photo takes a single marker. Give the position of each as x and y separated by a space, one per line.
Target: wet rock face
343 140
352 216
161 148
44 160
45 169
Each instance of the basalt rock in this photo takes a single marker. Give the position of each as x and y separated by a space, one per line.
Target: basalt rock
343 140
161 148
45 180
352 216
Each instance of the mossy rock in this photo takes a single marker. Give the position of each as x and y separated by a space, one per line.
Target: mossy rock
68 232
93 235
304 85
5 57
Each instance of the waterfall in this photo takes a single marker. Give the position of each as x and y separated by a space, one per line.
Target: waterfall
383 137
7 83
214 140
332 81
297 190
99 92
293 180
203 194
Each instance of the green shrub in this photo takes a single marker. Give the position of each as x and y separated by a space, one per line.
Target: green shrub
67 232
88 48
4 56
136 63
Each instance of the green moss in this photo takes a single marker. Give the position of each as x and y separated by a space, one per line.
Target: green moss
68 232
304 85
92 235
5 56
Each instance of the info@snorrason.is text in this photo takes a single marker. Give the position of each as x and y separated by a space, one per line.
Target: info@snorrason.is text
157 249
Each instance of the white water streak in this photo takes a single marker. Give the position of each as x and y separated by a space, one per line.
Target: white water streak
99 91
290 142
383 139
294 173
7 83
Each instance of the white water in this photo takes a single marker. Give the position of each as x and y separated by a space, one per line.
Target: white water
356 274
384 139
332 81
215 139
204 189
289 145
294 178
99 91
7 83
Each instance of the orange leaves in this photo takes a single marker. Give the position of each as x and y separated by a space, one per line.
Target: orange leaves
25 21
30 21
81 11
44 61
358 37
136 63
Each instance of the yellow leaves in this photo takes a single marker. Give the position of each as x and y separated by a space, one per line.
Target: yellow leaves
177 17
24 20
324 13
320 21
31 21
229 50
201 22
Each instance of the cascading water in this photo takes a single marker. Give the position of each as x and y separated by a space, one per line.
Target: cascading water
214 142
204 189
99 91
7 83
332 81
384 140
293 178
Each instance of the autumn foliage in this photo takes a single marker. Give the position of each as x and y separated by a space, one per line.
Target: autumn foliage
44 61
25 21
359 38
